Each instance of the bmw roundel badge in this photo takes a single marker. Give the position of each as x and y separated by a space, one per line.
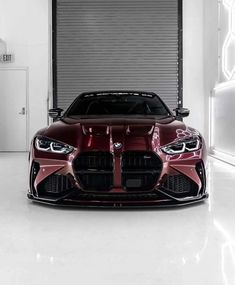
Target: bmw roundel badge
117 145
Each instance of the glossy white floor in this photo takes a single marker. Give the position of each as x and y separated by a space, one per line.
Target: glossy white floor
45 245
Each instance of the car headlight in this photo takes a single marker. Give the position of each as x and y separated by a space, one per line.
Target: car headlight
48 145
181 146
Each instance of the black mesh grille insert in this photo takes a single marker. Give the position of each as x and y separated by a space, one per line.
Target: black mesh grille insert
54 184
140 170
94 161
180 186
94 170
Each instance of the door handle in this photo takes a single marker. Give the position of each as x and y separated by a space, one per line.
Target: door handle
23 111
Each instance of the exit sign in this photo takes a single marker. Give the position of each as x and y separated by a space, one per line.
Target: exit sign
6 58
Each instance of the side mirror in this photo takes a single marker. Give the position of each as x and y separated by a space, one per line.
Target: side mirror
55 113
182 112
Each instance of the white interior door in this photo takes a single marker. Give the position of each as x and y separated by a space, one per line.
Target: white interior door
13 110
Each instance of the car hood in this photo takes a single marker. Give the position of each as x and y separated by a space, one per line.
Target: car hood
132 133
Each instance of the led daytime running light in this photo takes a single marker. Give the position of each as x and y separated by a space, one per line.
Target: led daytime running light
182 146
47 145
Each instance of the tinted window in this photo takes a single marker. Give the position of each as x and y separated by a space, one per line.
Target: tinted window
118 105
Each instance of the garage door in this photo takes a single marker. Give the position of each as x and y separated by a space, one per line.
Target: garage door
116 45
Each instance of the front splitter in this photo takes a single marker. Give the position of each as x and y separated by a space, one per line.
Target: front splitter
66 202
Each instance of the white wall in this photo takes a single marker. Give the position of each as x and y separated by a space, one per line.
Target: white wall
200 60
210 57
223 99
193 75
24 28
223 134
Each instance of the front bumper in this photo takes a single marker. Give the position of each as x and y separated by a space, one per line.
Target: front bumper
177 182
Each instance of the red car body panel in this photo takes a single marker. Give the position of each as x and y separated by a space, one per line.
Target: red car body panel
134 134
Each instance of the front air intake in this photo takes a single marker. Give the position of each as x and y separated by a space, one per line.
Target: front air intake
140 170
94 170
33 174
179 186
54 185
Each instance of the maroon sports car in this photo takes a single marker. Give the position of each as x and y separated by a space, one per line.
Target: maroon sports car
118 149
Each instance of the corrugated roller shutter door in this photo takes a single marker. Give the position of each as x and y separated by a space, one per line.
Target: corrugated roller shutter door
117 45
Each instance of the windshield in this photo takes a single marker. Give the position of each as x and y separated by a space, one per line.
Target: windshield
118 105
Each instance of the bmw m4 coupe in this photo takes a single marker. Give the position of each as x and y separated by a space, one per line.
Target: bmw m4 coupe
118 149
